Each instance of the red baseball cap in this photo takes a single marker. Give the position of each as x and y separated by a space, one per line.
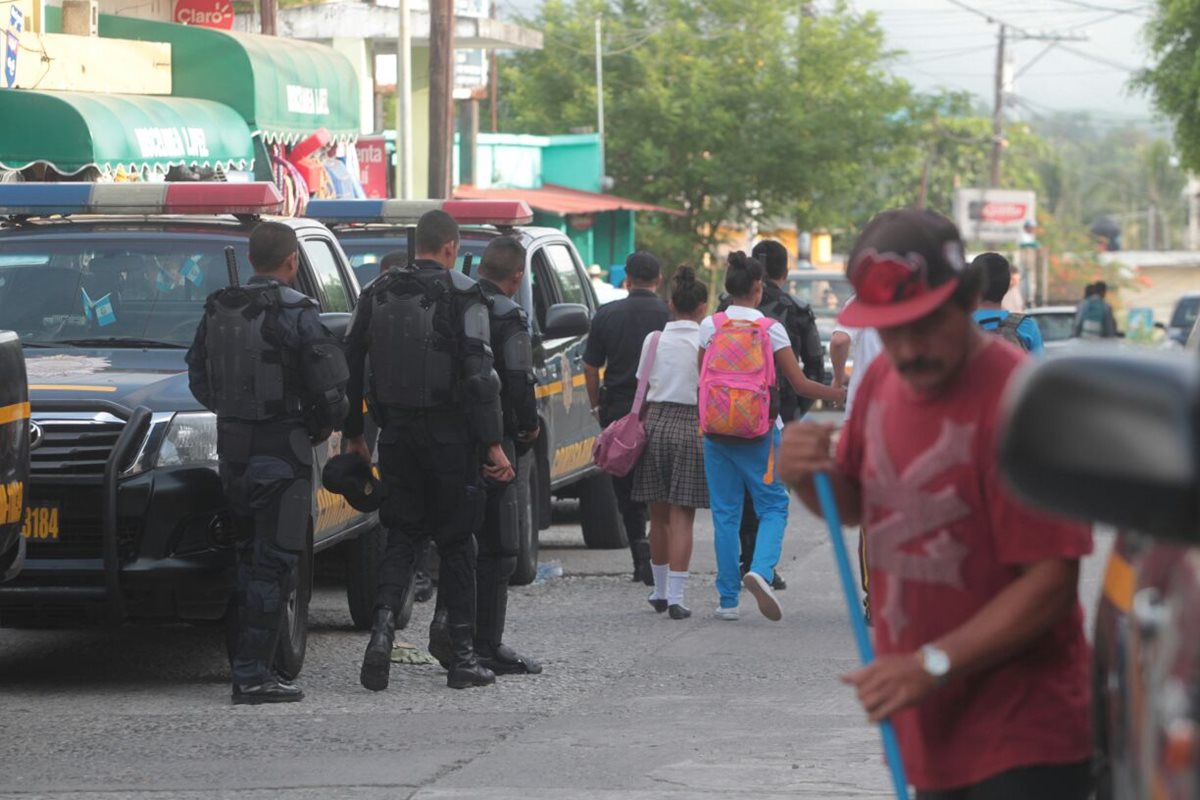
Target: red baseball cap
905 265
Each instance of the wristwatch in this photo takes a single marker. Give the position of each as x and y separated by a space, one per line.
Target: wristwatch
935 663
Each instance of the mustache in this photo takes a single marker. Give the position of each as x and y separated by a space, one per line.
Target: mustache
919 365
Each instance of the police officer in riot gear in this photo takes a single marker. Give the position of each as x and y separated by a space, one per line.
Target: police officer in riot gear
425 330
500 275
276 379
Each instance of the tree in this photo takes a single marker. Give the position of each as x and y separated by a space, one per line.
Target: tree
1174 81
734 111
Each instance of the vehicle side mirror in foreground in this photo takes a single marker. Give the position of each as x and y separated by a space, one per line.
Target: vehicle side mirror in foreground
337 322
1109 437
564 320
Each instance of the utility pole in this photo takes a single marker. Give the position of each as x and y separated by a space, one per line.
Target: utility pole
998 111
441 96
495 78
404 148
268 11
600 100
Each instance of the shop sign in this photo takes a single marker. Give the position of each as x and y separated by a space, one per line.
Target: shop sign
171 142
995 216
205 13
373 165
12 45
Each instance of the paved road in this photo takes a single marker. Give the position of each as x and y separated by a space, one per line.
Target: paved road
632 705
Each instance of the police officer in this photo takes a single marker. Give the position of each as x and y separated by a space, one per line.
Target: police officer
500 275
425 331
276 378
801 325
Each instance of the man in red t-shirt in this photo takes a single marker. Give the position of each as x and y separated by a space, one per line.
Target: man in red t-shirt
983 665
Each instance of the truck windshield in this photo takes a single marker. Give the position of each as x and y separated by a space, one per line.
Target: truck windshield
827 295
366 255
135 291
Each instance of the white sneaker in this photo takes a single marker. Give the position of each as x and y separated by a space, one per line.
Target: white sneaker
768 603
727 613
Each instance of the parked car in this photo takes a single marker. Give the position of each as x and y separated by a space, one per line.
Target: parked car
105 284
1113 435
14 456
1056 323
559 298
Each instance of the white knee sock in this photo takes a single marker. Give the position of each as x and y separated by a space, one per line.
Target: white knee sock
660 580
675 583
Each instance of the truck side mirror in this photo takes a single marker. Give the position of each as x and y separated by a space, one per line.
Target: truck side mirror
338 322
564 320
1109 437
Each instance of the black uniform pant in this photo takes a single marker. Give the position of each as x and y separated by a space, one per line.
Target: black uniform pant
499 546
1039 782
633 513
266 471
431 466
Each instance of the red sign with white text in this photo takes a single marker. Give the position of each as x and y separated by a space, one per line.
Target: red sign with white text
373 165
205 13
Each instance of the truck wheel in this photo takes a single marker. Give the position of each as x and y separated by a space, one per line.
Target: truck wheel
363 556
527 530
293 638
599 516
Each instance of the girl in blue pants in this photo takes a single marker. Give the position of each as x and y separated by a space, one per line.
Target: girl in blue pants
734 467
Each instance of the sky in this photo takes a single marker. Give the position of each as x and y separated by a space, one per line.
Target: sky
948 45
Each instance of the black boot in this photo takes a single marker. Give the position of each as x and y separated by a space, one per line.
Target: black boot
503 660
466 671
377 663
439 638
641 562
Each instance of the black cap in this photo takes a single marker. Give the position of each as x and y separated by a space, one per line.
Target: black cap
643 266
353 478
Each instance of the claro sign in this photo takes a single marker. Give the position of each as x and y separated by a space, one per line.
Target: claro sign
205 13
995 216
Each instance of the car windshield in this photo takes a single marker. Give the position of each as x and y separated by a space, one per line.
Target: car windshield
1055 327
98 289
826 295
366 255
1186 312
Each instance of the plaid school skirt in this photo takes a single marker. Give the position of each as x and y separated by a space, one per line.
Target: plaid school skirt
671 469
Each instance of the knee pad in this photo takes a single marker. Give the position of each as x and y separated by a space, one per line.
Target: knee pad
289 521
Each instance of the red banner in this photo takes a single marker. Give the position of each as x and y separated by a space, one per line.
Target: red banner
373 165
205 13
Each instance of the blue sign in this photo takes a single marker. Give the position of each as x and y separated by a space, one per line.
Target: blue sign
16 23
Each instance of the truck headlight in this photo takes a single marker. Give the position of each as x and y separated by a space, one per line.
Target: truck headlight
190 441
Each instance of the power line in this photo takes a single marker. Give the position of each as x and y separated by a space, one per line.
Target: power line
1137 10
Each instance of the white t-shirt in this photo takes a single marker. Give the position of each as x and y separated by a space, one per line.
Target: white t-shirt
864 347
675 376
779 337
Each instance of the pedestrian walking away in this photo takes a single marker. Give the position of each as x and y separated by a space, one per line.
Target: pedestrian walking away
670 475
500 275
801 325
1015 328
436 398
740 351
615 343
1095 320
978 627
276 379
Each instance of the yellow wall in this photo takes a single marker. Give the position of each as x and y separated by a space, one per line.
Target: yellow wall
85 64
1167 284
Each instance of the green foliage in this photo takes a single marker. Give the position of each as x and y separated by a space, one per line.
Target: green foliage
1173 34
735 111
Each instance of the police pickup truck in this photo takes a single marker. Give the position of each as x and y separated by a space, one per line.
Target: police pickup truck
14 455
105 285
560 302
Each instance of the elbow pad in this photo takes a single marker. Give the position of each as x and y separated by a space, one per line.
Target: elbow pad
484 387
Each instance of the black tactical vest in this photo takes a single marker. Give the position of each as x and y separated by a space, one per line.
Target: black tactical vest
251 378
414 342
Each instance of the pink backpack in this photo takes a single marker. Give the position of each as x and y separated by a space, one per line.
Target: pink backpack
619 446
737 379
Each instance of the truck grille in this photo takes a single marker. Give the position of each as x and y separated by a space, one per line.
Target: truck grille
74 444
80 532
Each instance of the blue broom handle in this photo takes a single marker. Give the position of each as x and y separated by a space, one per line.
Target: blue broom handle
891 747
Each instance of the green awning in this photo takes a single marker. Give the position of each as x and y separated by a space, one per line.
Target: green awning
284 88
74 130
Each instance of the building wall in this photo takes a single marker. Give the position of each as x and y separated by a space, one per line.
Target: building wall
1167 285
573 161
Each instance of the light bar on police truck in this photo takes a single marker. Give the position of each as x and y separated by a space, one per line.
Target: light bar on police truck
503 213
45 199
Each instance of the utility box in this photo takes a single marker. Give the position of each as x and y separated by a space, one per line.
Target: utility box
81 17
